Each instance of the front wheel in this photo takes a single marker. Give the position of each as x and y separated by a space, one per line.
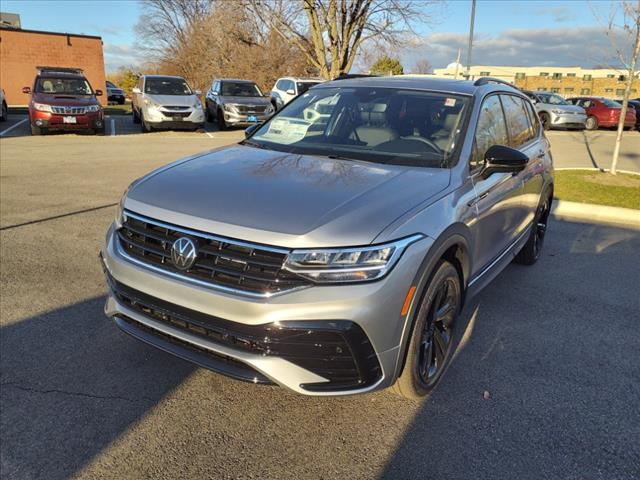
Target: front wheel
38 130
545 120
222 125
431 342
591 123
136 117
4 112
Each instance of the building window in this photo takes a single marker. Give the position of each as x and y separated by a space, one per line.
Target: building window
586 78
520 76
571 74
585 91
608 90
568 89
541 89
485 74
619 92
557 76
622 78
610 75
544 74
633 90
555 90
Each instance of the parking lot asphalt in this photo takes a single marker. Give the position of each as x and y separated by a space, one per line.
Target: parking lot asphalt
554 346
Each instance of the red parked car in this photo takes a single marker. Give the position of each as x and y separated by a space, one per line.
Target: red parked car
602 112
62 99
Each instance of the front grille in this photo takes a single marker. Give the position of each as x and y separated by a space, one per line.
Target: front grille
251 108
174 107
68 110
337 350
251 269
177 114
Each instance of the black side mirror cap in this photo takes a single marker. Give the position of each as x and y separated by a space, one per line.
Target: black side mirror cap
251 129
98 93
500 158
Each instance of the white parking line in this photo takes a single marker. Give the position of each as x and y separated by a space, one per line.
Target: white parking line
208 134
113 127
13 126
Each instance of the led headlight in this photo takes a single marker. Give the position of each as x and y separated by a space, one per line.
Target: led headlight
41 107
335 265
229 107
152 104
93 108
558 112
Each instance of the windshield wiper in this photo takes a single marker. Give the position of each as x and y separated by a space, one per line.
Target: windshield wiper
254 144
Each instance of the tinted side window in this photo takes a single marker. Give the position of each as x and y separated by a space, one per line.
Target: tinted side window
280 84
288 85
517 122
491 130
533 119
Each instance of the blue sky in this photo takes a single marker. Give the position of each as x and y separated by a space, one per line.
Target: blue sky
507 32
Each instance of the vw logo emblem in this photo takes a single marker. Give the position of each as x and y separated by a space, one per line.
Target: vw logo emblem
183 253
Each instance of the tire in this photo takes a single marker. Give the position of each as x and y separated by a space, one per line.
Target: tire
210 118
136 117
591 123
121 101
432 340
4 112
274 104
531 250
99 131
38 131
144 127
222 125
545 120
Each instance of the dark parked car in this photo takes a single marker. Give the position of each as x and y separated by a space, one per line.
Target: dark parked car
331 252
62 99
635 103
114 93
603 112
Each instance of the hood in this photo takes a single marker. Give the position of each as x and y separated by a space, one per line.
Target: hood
177 100
283 199
115 90
245 100
565 108
65 100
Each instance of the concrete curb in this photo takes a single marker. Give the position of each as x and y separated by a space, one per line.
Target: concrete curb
589 213
593 169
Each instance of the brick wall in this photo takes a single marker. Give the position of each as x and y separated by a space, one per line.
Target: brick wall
22 50
578 86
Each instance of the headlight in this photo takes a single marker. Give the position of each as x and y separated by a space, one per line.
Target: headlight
41 107
359 264
558 112
93 108
197 105
229 108
152 104
269 110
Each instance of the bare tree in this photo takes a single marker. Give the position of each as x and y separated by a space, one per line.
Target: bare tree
329 33
627 55
422 66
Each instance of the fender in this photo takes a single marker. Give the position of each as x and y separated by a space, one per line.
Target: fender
457 235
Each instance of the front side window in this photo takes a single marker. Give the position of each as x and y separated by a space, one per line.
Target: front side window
520 131
167 86
63 86
240 89
491 130
384 125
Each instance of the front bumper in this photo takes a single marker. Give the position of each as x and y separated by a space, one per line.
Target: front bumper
183 119
88 121
244 119
568 120
369 313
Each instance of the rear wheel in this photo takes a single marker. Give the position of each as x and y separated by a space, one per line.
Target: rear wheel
4 112
591 123
532 249
431 342
545 120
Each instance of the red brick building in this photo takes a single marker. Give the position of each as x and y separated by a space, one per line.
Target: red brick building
21 51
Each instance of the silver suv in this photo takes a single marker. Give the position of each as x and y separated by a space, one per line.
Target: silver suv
555 112
161 101
233 103
332 250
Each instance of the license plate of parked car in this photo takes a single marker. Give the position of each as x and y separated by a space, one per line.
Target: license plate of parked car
252 118
177 119
69 120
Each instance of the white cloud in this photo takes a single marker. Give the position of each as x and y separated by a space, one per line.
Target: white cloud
117 55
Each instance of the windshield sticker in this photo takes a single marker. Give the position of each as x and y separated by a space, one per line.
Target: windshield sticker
286 130
450 102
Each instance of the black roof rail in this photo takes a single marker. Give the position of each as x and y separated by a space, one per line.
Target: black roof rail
77 71
345 76
484 80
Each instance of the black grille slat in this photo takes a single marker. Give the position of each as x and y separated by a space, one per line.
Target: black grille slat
221 262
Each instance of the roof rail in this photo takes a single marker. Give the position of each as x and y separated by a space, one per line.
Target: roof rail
40 70
484 80
345 76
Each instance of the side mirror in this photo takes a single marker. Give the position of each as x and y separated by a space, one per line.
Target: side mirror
291 91
251 130
198 92
26 89
500 158
135 90
98 93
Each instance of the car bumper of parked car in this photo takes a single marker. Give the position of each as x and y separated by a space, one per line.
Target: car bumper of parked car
568 120
116 98
318 340
186 119
244 119
50 121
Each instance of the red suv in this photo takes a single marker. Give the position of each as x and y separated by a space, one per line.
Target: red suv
602 112
62 99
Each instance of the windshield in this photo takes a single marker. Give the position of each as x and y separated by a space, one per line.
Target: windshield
166 86
63 86
240 89
552 99
304 86
110 85
382 125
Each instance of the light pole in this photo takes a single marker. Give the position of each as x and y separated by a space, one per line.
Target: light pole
473 16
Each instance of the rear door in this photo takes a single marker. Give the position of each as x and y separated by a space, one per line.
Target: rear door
498 199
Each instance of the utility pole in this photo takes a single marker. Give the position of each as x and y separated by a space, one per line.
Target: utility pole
473 16
457 65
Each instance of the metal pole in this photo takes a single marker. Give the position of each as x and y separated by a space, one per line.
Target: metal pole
473 16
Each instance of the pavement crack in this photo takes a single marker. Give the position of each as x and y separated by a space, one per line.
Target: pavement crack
75 394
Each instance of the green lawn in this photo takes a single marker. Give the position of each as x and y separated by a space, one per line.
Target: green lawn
124 109
591 186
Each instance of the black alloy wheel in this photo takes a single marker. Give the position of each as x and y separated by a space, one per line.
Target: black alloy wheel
531 251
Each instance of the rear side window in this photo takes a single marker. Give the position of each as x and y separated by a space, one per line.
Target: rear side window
491 130
520 130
